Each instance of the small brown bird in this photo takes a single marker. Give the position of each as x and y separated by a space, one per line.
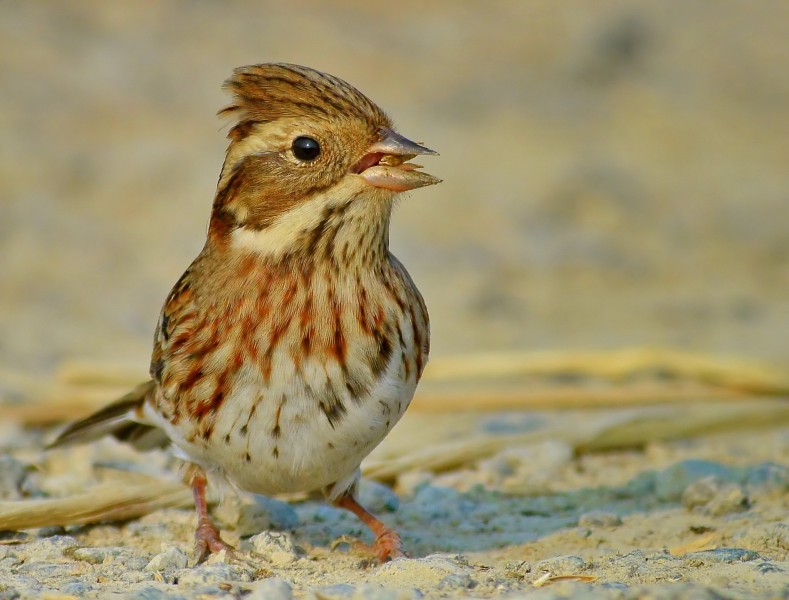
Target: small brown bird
295 340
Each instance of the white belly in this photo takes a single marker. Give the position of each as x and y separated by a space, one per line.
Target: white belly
274 437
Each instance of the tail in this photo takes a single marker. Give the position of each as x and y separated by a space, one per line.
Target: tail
123 419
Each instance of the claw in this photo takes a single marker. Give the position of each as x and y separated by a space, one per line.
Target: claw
208 541
387 544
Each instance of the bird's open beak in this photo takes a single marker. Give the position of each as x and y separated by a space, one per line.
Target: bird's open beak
384 165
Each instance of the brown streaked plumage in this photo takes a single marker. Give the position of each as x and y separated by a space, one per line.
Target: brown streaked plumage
294 342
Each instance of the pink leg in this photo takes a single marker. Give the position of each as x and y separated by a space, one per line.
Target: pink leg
387 542
207 538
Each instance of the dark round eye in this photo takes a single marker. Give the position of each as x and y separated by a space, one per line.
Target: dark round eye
306 148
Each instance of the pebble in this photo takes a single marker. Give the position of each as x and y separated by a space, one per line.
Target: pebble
598 519
700 492
338 591
730 498
265 514
724 555
270 589
135 576
377 498
213 573
51 548
670 483
45 569
76 588
275 547
767 477
429 571
97 556
560 565
517 569
369 591
435 503
170 558
715 497
152 593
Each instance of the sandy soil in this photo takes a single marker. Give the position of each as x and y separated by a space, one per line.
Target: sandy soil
614 176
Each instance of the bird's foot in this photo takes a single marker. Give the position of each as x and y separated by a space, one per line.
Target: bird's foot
208 541
387 545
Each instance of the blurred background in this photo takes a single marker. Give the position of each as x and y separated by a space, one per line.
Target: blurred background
616 173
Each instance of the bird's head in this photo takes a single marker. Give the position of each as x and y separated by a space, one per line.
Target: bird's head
309 154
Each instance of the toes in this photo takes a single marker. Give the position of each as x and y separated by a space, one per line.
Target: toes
208 541
388 546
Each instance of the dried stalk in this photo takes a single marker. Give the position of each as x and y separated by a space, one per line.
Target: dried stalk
595 432
567 397
102 503
615 365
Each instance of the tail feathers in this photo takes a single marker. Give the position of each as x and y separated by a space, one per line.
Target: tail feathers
121 419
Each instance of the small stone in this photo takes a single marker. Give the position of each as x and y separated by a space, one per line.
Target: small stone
135 576
206 574
724 555
560 565
670 483
729 499
533 466
598 519
171 557
270 589
97 556
642 485
338 591
51 548
151 593
76 588
700 492
369 591
768 567
767 477
377 498
716 497
456 582
265 514
429 571
43 570
517 569
275 547
433 503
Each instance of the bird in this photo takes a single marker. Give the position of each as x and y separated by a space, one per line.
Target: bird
295 340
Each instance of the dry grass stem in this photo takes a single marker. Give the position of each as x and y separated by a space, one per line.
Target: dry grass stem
615 365
567 397
597 432
102 503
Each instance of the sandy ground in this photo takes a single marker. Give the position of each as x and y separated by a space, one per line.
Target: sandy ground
615 175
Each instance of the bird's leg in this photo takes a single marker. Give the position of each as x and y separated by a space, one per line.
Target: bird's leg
387 542
207 538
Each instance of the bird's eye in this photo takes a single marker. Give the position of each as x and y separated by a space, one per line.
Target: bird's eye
305 148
